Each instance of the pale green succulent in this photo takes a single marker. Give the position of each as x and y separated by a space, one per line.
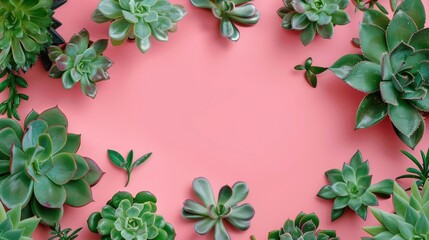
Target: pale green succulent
12 227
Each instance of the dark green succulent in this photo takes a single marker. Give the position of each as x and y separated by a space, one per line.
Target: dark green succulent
363 5
138 20
313 16
310 71
304 227
210 214
45 171
12 227
351 188
80 61
63 234
231 12
422 171
12 82
127 217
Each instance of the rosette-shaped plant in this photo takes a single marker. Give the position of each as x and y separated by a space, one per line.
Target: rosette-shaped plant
23 32
13 228
45 171
210 214
305 226
351 188
81 62
127 217
313 16
139 19
410 220
231 12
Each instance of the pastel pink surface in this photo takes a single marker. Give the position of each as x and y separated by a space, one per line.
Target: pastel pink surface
228 111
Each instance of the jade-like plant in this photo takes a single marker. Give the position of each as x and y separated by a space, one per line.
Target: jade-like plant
305 226
138 20
127 217
45 171
310 71
393 70
80 61
210 214
13 227
421 174
351 188
313 16
409 220
230 13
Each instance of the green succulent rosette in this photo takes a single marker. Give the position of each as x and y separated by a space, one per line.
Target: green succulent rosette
138 20
80 61
305 226
351 188
230 13
127 217
409 220
24 32
13 228
45 173
312 17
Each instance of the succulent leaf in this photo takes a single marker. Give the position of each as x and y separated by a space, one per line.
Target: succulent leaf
12 227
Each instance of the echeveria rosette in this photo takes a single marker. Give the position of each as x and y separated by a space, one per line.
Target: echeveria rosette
138 20
409 220
127 217
313 16
231 12
80 61
351 188
13 228
23 32
305 226
210 214
45 171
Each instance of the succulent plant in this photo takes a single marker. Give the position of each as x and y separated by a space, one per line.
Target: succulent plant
127 165
351 188
127 217
310 71
422 171
210 214
410 220
12 227
138 20
313 16
305 226
363 5
63 234
45 171
12 82
231 12
81 62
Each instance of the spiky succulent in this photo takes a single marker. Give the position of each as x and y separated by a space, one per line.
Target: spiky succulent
127 217
351 188
13 228
211 214
421 174
80 61
313 16
410 220
230 13
45 171
138 20
305 226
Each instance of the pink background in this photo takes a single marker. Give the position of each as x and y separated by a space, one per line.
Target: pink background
228 111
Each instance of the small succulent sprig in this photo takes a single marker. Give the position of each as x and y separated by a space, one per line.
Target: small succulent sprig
127 217
310 71
80 61
351 188
363 5
210 214
230 13
63 234
128 165
305 226
13 227
12 81
421 174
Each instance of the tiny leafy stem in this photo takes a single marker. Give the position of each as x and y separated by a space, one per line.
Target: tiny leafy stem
60 234
128 165
13 101
311 72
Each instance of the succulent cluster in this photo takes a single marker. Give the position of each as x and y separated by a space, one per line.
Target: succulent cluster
45 173
138 20
410 220
80 61
351 187
421 174
210 214
231 12
127 217
313 16
13 228
305 226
